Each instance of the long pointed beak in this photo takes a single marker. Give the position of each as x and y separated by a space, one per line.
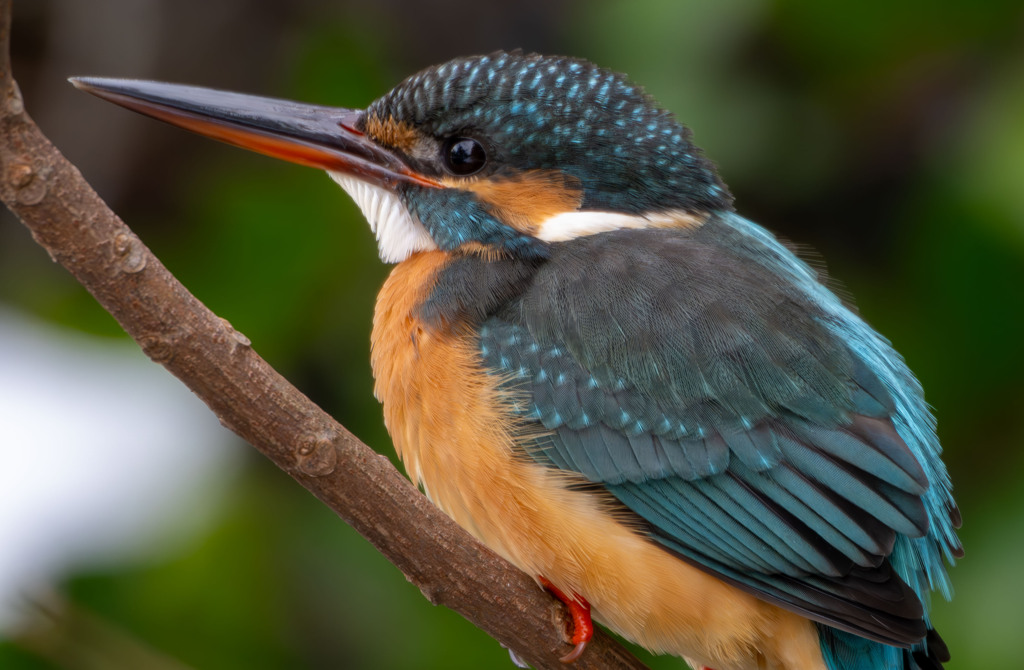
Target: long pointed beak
320 137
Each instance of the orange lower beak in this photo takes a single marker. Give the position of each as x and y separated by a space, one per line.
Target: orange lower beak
321 137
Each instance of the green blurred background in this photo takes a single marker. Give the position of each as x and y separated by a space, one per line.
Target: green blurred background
888 137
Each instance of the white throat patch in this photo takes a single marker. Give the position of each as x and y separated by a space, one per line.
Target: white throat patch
399 233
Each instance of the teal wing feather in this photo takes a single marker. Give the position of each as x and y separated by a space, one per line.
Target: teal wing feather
748 419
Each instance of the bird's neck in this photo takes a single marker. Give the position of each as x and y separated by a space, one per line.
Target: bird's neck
437 293
469 287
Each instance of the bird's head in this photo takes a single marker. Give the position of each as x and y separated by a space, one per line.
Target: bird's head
499 154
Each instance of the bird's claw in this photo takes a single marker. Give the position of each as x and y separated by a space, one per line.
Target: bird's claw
576 652
583 625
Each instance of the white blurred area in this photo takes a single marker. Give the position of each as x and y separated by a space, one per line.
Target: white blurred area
105 458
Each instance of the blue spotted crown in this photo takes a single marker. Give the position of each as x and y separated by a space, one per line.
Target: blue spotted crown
555 112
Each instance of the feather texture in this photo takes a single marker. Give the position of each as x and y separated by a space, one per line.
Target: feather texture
751 422
398 233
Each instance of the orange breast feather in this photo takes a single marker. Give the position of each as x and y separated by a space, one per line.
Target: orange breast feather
453 429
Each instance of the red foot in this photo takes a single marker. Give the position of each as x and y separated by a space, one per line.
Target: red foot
583 626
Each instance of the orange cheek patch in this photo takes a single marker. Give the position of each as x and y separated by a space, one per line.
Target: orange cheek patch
391 133
526 199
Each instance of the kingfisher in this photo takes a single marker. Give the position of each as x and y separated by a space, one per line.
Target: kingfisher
592 363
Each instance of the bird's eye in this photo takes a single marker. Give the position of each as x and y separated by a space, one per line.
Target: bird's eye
464 156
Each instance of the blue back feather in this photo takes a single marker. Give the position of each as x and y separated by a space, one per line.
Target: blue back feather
713 385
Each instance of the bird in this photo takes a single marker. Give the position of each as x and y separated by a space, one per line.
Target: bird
594 364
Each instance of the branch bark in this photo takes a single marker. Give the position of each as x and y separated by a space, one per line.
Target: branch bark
216 362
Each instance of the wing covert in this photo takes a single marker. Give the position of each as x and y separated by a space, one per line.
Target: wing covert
720 409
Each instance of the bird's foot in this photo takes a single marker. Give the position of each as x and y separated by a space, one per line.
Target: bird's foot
583 626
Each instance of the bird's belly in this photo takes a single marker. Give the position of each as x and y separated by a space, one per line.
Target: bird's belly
455 431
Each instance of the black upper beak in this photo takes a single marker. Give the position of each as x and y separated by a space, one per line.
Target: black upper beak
321 137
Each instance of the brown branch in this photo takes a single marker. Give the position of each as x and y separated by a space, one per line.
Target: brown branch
216 362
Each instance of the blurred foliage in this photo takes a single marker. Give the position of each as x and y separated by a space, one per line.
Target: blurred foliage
888 136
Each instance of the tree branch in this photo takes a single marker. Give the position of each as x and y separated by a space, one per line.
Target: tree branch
216 362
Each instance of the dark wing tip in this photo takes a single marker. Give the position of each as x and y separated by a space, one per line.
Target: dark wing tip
934 654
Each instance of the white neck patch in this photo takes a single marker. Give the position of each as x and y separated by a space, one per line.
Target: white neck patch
399 233
568 225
